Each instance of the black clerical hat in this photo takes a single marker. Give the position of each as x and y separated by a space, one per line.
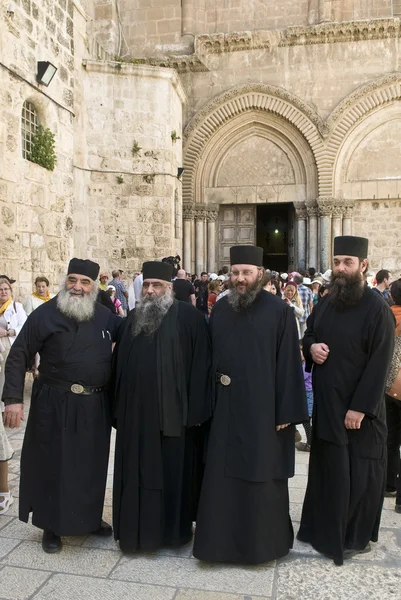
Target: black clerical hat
246 255
84 267
155 269
351 245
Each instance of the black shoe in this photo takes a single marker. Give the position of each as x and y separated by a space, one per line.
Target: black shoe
397 508
51 542
302 446
104 530
298 436
390 494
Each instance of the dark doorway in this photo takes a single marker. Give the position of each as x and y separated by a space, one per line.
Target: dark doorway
273 234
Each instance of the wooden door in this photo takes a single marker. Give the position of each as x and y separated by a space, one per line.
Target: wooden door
237 226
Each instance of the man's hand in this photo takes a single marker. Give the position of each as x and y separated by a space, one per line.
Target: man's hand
13 415
319 353
278 427
353 419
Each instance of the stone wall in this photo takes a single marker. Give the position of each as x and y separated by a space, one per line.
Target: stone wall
36 215
128 206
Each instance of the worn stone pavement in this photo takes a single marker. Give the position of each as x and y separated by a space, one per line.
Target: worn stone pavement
91 567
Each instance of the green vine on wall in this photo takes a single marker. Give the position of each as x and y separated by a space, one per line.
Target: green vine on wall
43 151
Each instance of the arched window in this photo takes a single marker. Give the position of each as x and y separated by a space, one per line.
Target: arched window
29 125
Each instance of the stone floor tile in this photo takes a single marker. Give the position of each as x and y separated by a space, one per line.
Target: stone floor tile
318 578
19 584
26 531
98 541
301 468
295 511
181 572
386 548
66 587
6 545
201 595
71 559
297 494
390 518
298 481
108 497
5 519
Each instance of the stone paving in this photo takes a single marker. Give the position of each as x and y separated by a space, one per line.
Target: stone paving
91 567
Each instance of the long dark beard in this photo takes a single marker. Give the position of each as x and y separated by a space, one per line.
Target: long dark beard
150 312
345 290
240 302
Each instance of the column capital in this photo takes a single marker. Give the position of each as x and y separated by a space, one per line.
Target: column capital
188 212
200 212
212 212
300 211
312 209
338 209
348 208
325 206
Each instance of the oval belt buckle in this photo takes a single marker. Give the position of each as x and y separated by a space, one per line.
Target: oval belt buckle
77 388
225 380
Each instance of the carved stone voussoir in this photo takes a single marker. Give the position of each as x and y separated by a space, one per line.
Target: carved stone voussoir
350 31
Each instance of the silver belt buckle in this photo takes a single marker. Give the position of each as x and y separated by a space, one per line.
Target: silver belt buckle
225 380
77 388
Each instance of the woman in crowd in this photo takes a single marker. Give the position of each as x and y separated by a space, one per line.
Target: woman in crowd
12 318
214 287
291 297
316 285
111 290
393 406
39 296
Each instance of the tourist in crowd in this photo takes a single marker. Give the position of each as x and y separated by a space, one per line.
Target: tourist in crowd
291 297
12 318
243 512
306 298
201 292
162 363
183 288
275 288
118 309
214 290
103 281
121 292
349 341
393 406
383 281
131 292
39 296
138 287
323 291
315 287
305 446
266 281
66 447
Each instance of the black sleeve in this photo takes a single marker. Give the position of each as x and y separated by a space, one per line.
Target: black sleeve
199 382
309 339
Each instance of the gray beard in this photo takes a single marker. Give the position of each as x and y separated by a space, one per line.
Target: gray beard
150 312
79 309
240 302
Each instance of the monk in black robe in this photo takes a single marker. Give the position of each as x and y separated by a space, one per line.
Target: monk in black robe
162 393
243 512
349 342
66 446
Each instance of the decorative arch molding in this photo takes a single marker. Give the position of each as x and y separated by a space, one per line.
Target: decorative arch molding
231 105
349 114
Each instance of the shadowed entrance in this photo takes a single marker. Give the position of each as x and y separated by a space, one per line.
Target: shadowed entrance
275 234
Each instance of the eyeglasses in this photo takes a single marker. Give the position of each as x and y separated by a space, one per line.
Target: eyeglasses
246 273
7 289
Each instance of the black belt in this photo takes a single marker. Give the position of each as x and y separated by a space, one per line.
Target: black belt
223 379
75 388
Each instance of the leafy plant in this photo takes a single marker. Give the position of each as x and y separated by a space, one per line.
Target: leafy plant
43 151
120 179
174 136
136 148
149 178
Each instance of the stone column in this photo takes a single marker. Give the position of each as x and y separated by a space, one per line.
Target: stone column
300 224
188 217
211 216
337 219
347 217
313 240
200 216
325 206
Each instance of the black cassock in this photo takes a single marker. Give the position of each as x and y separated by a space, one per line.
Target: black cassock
244 507
344 496
66 446
159 457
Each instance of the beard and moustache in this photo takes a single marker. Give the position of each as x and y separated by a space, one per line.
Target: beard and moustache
78 306
240 302
150 312
345 290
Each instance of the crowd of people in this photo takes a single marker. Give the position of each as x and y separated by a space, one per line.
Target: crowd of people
205 379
